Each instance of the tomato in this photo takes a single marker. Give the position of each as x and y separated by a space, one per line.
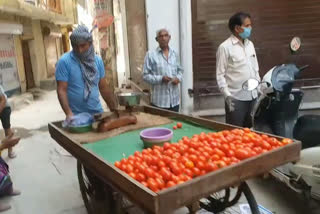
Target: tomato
145 152
230 153
169 152
175 179
129 168
246 139
117 164
166 159
176 170
286 141
221 164
170 184
132 175
202 158
225 148
189 164
200 165
226 160
157 148
123 167
154 160
150 173
183 177
210 167
193 158
124 161
206 155
147 159
258 150
242 154
144 183
154 168
166 146
188 172
196 171
152 184
131 162
219 152
138 154
179 125
140 177
266 145
215 157
203 172
174 127
161 164
176 155
166 174
131 158
161 184
246 130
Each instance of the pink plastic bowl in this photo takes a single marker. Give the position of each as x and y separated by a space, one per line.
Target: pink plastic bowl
155 136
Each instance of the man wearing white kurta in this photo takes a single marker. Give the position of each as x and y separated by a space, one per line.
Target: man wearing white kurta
236 63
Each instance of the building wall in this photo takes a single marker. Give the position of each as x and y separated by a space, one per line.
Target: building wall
37 47
20 65
163 14
137 39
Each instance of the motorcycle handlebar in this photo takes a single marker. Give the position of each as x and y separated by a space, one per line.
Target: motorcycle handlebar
303 67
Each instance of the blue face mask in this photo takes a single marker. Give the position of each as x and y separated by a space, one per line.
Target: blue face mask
246 33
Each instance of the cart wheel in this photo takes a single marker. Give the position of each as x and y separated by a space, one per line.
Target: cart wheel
218 202
98 197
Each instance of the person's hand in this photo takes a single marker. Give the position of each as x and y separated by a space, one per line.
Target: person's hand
230 103
175 81
69 117
166 79
10 142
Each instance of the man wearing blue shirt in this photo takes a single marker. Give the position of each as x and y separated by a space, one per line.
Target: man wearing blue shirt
80 77
163 72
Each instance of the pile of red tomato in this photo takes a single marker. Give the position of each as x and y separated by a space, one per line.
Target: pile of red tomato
175 163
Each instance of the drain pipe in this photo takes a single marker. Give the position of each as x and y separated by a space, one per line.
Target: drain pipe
185 24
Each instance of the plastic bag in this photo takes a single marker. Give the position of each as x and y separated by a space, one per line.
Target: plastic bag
81 119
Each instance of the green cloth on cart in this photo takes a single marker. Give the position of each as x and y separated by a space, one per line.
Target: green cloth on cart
115 148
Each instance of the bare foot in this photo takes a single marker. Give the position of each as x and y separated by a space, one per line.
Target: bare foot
10 142
4 207
14 192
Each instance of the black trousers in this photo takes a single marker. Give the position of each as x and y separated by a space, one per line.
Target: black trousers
241 114
5 117
174 108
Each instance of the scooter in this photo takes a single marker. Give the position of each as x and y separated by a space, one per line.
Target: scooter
276 112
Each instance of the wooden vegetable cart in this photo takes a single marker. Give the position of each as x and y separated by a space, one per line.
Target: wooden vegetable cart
107 183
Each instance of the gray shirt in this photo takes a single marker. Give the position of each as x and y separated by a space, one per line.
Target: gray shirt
4 94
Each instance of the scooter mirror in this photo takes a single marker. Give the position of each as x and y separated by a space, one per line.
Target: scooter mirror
295 44
250 84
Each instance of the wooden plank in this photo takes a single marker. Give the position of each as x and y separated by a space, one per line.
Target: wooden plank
203 186
132 189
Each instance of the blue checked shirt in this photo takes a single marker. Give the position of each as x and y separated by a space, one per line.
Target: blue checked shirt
156 65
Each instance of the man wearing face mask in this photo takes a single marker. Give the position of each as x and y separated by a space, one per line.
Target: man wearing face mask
80 77
236 63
